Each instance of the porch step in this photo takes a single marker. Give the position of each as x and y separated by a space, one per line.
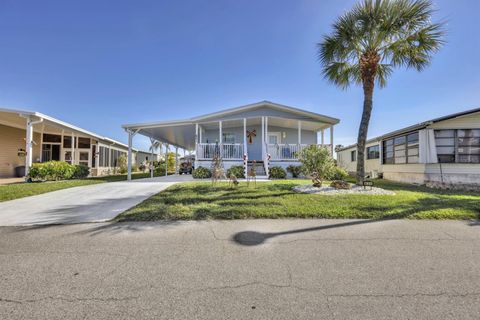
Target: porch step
259 168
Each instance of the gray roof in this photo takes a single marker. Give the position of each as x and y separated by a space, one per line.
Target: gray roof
417 126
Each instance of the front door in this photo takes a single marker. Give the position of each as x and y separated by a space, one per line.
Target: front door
83 157
274 138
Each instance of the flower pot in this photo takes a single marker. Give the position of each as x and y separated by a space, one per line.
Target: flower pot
20 171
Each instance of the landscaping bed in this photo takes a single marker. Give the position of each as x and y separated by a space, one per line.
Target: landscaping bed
276 199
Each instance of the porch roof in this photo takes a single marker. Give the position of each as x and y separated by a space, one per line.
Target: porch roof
181 133
17 118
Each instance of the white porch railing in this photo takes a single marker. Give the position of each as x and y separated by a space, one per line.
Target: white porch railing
287 151
232 151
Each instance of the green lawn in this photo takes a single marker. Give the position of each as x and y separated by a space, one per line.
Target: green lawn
21 190
199 200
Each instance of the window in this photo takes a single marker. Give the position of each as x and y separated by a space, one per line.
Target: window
401 149
373 152
445 143
228 137
52 138
67 141
458 146
353 155
103 157
84 143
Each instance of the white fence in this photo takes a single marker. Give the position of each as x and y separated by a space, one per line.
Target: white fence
287 151
226 151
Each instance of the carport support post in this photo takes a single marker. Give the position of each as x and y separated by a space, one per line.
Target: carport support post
323 137
152 141
176 160
166 160
131 133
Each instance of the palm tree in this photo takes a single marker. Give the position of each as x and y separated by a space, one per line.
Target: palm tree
372 39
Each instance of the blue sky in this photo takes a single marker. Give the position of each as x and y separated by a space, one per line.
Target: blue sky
100 64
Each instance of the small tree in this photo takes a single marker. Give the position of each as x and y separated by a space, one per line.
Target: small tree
317 163
171 162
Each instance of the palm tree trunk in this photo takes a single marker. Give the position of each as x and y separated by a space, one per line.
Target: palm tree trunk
368 86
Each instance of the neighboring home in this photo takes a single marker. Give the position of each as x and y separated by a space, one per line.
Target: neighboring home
144 157
269 133
445 150
27 137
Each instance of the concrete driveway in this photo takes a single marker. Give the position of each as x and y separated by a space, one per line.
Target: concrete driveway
93 203
248 269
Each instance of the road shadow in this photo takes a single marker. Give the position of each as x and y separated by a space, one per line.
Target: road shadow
255 238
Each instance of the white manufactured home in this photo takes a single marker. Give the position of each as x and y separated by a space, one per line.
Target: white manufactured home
268 133
27 137
441 151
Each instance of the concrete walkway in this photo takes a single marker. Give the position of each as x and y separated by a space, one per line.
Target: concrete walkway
93 203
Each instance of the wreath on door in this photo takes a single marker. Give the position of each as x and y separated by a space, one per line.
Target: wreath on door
250 135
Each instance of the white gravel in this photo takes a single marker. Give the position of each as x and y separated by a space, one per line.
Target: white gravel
327 190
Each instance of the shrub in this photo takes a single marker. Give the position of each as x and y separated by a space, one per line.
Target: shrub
201 173
317 163
51 171
81 171
277 173
338 174
122 164
237 171
340 184
296 171
160 171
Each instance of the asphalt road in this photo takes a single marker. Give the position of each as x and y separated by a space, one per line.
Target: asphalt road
250 269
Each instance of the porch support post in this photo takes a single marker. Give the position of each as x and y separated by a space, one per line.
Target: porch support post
220 136
299 132
266 133
331 140
73 148
263 138
323 136
245 151
28 147
196 144
131 133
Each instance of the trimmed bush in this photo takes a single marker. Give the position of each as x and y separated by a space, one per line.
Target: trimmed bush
338 174
277 173
296 171
51 171
237 171
81 172
201 173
